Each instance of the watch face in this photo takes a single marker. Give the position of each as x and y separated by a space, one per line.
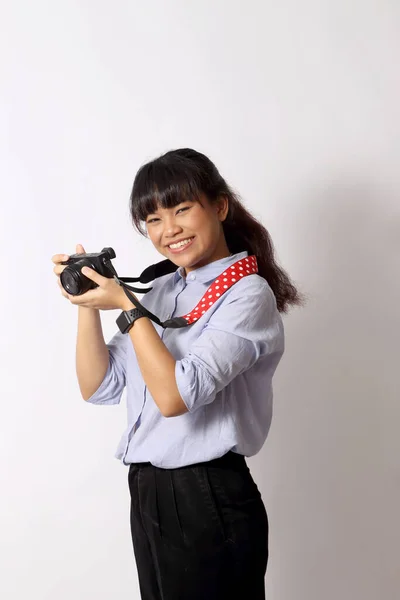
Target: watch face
123 322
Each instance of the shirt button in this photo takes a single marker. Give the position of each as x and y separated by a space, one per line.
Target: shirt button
191 276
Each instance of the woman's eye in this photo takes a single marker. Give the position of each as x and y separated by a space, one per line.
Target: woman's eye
154 219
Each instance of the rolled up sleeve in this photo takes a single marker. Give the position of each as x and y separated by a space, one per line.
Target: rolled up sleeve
112 386
243 328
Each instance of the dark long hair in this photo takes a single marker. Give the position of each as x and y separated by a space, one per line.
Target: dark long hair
185 174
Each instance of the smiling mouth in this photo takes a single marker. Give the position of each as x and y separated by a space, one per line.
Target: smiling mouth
181 245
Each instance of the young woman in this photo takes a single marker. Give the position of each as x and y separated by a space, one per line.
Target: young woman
199 398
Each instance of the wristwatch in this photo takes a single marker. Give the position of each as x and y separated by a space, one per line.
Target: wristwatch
127 318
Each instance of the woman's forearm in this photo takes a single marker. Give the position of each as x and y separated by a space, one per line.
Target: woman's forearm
157 366
92 354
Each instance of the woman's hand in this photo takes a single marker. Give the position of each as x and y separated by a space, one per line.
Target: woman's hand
59 268
107 296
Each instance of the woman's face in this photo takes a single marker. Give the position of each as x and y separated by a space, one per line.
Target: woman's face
197 225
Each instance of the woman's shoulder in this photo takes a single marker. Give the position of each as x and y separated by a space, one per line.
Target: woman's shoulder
248 307
253 288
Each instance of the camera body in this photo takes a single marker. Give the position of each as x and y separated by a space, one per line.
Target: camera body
74 281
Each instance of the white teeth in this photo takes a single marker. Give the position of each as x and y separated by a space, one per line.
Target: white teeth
180 244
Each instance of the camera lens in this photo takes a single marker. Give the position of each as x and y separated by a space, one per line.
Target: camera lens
73 281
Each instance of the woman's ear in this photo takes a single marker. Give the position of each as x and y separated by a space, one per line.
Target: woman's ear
222 207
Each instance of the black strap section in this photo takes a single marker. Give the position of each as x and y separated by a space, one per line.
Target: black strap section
149 274
153 272
176 323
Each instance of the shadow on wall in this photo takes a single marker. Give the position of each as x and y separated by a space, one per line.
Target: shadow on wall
331 460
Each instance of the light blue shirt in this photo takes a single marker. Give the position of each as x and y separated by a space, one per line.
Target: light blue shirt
225 362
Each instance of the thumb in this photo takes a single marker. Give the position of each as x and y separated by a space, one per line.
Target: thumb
92 274
80 249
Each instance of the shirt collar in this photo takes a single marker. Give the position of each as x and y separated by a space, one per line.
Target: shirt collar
209 272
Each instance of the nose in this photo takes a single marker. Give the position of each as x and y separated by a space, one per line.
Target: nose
171 228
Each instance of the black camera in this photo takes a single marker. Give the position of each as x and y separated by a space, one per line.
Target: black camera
74 282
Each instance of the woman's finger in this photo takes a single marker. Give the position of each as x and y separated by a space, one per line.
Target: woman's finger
59 258
58 269
63 292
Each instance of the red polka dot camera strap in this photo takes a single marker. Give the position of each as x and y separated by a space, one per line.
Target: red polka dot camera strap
241 268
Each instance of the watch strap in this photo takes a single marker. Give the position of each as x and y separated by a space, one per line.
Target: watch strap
127 318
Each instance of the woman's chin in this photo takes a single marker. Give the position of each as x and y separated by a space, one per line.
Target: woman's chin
184 259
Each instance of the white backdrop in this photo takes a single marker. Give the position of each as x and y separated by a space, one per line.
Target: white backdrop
297 104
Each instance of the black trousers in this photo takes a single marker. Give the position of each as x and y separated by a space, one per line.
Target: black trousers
199 532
